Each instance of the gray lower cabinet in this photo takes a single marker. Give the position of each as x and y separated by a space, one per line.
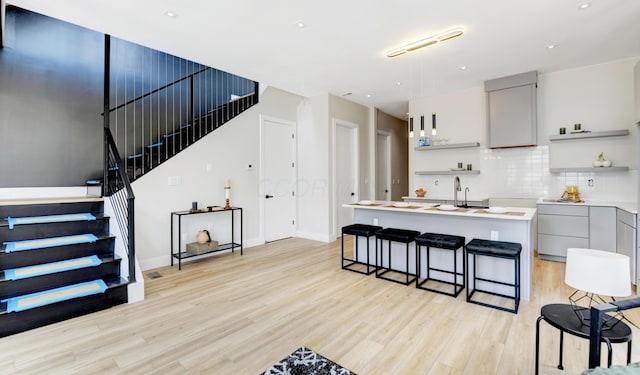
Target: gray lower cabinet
593 227
602 228
626 239
561 227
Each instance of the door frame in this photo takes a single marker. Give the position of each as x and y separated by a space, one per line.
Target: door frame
388 162
355 128
261 192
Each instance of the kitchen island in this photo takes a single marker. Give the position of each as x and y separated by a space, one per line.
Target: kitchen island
514 225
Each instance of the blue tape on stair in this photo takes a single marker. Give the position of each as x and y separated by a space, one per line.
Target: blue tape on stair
83 289
49 268
49 219
42 243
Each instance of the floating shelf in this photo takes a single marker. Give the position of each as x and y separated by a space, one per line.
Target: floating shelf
589 169
475 171
607 133
442 147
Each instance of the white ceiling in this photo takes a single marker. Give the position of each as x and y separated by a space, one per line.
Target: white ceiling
341 48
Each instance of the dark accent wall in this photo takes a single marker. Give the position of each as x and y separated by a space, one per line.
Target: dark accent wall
50 102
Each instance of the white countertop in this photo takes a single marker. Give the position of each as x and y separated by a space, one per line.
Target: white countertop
513 213
631 207
445 198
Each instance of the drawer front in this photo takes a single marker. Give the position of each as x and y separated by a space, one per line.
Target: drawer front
558 245
627 217
563 209
572 226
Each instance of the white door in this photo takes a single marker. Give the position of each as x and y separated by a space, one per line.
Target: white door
383 166
278 179
346 172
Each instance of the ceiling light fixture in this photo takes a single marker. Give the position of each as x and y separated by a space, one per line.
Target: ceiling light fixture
368 95
170 14
300 24
410 127
398 83
551 46
446 35
463 67
585 5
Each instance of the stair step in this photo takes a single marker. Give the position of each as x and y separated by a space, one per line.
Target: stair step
50 206
42 243
98 227
47 297
11 323
49 268
107 267
13 221
103 247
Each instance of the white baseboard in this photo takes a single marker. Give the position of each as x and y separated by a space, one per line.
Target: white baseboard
322 237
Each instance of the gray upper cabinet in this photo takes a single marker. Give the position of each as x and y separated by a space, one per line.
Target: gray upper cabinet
511 111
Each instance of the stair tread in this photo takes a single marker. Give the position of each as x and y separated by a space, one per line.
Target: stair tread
36 201
110 282
103 260
99 238
5 223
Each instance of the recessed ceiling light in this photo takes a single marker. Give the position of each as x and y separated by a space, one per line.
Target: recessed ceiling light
300 24
551 46
170 14
368 95
463 67
398 83
585 5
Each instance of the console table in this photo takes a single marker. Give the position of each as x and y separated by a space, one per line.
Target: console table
180 255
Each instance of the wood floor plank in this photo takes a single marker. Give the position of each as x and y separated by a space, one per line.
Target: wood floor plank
235 314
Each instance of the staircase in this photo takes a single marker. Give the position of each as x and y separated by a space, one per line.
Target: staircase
61 266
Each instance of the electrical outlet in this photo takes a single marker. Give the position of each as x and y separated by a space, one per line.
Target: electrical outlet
494 235
375 221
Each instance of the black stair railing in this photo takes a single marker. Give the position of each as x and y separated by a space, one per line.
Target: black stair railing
118 187
164 103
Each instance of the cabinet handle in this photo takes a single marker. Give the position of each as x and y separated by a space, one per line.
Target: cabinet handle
268 196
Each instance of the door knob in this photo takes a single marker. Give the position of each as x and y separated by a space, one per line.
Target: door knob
268 196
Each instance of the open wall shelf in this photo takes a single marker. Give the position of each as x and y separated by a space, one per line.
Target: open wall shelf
475 171
589 169
443 147
602 134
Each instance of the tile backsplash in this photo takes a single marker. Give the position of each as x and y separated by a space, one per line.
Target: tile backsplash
522 173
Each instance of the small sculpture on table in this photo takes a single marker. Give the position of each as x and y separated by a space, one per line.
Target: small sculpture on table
227 187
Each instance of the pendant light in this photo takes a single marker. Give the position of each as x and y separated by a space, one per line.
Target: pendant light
410 127
422 125
433 123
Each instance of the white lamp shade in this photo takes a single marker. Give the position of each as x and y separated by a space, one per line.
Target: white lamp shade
599 272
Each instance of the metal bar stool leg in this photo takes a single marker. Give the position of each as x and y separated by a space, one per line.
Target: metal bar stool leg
540 318
368 262
561 345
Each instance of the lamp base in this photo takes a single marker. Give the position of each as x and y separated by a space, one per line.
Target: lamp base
227 206
581 303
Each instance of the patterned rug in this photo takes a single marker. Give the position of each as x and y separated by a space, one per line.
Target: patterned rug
305 361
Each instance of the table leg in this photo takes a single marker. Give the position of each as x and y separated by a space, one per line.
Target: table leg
241 238
540 318
171 240
179 244
561 344
629 352
233 244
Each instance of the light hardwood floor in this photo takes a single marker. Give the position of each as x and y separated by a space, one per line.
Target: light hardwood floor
239 315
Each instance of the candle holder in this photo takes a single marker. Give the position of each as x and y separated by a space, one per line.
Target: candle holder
227 206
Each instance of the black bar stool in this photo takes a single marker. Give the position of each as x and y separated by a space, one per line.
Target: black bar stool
358 230
396 235
441 241
494 249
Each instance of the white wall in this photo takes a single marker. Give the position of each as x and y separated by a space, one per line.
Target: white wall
313 169
600 97
202 169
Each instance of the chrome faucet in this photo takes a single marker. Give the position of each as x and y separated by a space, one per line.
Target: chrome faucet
456 188
465 196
